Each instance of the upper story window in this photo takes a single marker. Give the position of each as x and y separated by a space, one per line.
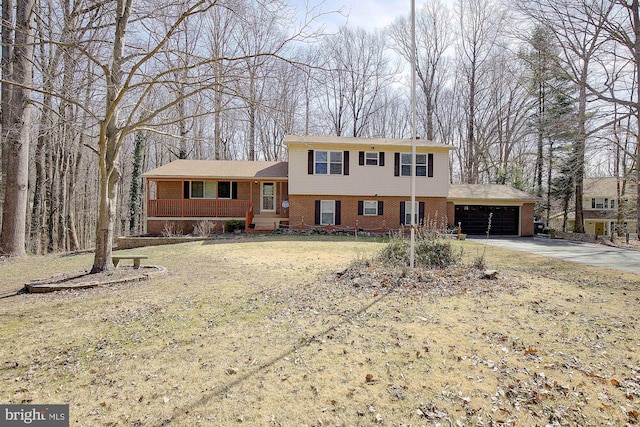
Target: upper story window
421 165
371 158
602 203
424 164
203 190
328 162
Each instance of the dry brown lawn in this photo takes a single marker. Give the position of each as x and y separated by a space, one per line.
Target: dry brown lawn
279 331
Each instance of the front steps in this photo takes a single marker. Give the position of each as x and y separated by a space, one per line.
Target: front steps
266 222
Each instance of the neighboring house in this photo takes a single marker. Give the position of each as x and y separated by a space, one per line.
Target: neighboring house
600 208
332 182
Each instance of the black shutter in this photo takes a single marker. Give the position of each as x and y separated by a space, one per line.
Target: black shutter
380 207
185 192
360 207
361 158
317 216
338 216
310 162
430 165
421 213
402 213
234 190
396 164
381 161
345 159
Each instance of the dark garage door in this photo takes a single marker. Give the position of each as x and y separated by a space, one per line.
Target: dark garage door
474 219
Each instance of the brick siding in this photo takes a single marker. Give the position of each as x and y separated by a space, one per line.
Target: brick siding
303 208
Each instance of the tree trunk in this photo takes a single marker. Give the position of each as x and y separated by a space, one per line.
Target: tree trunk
471 164
74 244
136 187
7 89
635 12
109 147
18 135
108 198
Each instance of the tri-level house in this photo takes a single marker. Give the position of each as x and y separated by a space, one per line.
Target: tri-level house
602 211
334 183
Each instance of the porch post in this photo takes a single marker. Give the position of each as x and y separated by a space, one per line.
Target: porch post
251 196
279 206
145 208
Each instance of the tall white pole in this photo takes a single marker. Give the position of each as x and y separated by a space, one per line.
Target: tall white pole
414 120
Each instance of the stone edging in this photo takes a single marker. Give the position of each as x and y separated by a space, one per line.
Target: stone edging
45 285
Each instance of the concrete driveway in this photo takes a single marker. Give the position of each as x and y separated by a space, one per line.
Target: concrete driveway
567 250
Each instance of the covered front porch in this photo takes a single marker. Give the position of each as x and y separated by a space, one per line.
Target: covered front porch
180 205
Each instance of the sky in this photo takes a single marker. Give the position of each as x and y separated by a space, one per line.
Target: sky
367 14
371 14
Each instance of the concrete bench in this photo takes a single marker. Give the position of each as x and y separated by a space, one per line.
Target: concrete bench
136 259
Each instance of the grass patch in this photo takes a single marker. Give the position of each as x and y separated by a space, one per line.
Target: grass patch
263 332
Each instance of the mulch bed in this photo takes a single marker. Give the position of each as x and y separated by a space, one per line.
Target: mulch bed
86 280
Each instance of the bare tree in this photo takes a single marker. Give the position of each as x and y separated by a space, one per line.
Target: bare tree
621 72
434 37
357 71
17 68
577 27
480 25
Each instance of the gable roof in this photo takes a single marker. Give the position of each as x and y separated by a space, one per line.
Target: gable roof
364 142
488 192
606 187
231 169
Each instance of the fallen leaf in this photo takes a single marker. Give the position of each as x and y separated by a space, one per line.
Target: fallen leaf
615 382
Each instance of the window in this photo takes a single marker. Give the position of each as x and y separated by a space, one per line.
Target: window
328 162
407 213
371 159
601 203
327 212
370 207
203 190
224 190
421 165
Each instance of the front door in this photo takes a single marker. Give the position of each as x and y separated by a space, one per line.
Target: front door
599 228
268 197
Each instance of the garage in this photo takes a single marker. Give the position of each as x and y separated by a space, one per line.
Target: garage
511 210
474 219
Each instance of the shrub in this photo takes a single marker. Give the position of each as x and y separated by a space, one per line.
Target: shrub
171 229
204 228
233 225
431 250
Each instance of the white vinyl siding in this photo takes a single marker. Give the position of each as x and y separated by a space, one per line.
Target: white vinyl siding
364 180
